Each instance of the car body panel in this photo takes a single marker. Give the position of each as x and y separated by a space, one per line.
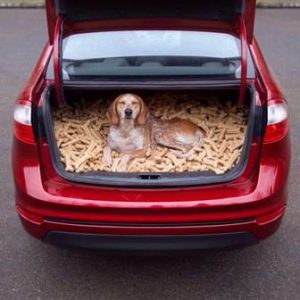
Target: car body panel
44 197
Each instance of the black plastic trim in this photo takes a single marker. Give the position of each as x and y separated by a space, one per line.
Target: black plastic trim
132 179
76 10
261 120
164 82
37 117
150 242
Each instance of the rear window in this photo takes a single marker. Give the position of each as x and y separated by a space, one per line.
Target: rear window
157 53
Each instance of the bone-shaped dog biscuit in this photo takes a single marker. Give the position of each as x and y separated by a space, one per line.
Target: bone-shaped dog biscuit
81 132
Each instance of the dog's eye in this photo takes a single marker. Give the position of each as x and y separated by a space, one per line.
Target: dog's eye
134 103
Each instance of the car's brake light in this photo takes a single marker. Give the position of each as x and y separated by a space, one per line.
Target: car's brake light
277 126
22 126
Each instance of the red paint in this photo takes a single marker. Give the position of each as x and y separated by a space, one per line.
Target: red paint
243 38
258 196
57 60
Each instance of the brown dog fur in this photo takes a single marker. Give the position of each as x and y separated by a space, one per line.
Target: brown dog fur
133 131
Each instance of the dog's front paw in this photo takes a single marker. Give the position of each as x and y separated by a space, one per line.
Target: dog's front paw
107 160
122 166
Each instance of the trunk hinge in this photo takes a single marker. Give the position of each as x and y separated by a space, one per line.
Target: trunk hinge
244 53
57 61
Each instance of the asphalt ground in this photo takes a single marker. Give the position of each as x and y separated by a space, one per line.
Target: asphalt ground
30 269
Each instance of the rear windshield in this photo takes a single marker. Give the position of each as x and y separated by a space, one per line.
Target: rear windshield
140 53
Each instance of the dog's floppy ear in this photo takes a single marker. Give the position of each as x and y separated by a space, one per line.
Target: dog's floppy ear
112 114
144 113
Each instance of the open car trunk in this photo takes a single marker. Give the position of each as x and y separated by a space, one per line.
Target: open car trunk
77 134
74 109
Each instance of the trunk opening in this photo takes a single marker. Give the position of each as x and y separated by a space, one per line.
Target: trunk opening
172 177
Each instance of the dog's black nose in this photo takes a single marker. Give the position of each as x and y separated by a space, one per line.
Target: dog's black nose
128 112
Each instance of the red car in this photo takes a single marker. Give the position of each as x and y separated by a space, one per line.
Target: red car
99 47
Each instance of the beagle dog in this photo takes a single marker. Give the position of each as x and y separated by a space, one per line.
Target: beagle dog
133 131
129 132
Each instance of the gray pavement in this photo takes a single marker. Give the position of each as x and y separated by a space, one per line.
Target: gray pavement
32 270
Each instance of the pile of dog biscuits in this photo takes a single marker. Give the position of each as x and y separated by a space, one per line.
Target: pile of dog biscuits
81 131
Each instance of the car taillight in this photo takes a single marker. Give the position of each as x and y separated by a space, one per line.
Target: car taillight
277 126
22 126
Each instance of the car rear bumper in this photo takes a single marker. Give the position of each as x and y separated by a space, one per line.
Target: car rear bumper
155 237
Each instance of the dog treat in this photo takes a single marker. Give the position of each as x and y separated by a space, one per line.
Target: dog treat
81 131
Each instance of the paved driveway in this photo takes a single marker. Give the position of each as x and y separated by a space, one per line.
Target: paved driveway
32 270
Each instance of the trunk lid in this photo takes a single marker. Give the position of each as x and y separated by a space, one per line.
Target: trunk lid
222 15
72 16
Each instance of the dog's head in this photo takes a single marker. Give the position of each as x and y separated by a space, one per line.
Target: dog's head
130 107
